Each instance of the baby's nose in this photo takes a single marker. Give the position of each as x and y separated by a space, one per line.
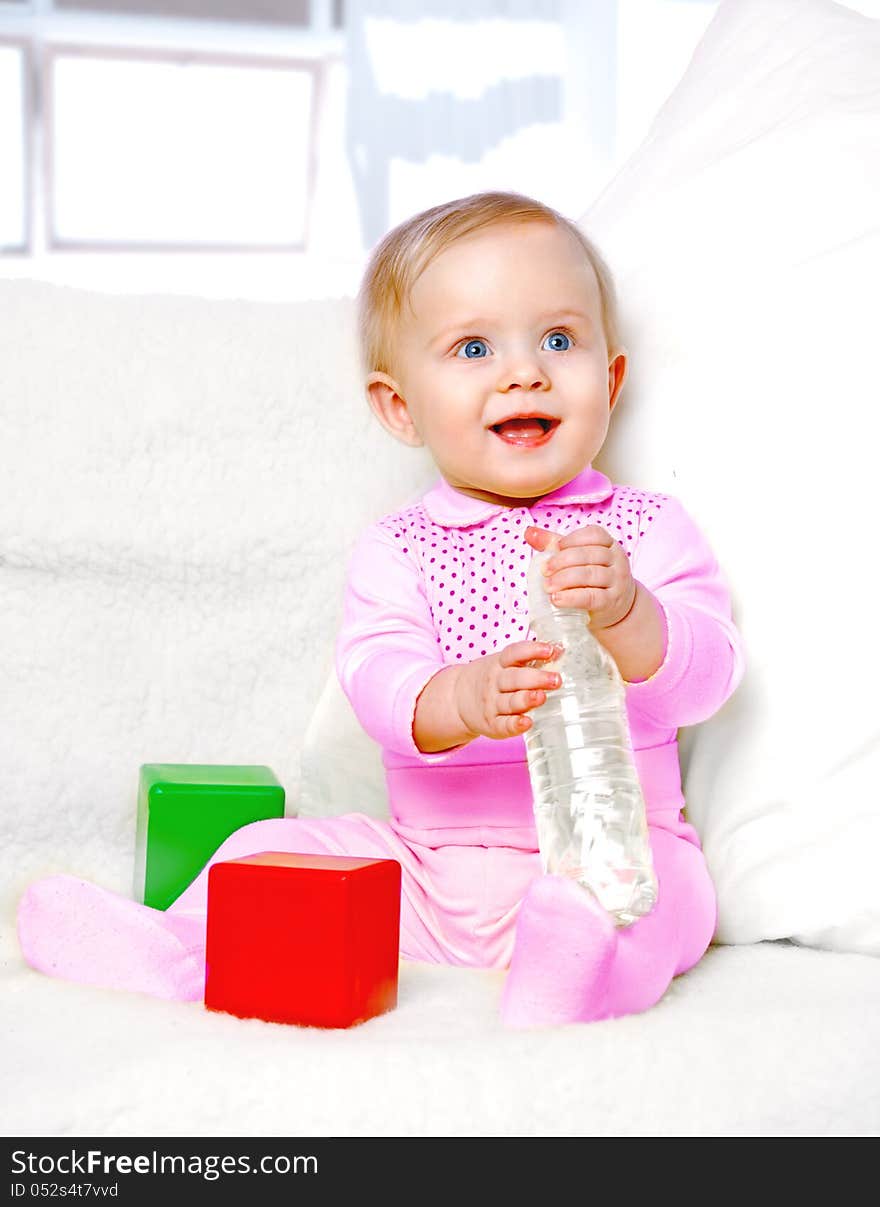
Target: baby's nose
524 377
538 384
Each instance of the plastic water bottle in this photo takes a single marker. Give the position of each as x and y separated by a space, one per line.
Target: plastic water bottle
589 808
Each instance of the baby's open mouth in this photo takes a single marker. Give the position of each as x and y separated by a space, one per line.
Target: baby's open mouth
526 430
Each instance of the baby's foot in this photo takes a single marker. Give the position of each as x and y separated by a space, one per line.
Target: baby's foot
76 930
562 956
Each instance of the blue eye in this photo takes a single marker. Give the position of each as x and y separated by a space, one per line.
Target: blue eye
557 341
474 349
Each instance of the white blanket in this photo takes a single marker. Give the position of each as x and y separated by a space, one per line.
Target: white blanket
768 1039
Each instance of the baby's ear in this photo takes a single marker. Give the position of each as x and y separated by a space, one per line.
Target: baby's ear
616 375
389 406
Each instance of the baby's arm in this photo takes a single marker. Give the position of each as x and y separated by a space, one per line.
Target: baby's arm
390 665
703 660
488 697
665 618
590 571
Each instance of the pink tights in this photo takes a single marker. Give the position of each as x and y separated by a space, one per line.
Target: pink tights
567 962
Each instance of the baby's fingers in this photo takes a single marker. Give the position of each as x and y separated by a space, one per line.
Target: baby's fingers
522 701
523 652
510 719
510 726
520 683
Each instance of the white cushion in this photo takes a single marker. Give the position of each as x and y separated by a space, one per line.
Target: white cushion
743 235
182 480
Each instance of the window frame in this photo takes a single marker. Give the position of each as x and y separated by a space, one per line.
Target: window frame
40 30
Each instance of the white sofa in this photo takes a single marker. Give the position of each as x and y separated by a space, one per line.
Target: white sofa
180 482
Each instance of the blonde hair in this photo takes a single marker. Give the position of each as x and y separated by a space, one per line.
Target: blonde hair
403 254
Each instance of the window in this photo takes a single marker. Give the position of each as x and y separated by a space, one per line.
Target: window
169 151
191 146
538 96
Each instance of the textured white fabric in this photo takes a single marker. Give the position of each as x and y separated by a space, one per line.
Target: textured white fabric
180 483
745 238
760 1040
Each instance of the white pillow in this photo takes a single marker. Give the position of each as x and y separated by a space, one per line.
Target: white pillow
743 235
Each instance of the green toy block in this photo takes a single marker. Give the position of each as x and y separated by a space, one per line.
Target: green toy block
185 812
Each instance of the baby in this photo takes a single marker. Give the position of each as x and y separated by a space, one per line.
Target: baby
488 334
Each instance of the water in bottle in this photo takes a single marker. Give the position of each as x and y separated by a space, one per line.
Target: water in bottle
589 809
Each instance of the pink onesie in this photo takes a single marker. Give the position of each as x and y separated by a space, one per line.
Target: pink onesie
440 582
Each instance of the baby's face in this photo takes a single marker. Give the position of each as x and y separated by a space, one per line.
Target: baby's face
503 365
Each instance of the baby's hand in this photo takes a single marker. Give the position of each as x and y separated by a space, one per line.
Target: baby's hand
494 693
589 571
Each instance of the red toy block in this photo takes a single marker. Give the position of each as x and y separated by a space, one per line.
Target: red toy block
306 939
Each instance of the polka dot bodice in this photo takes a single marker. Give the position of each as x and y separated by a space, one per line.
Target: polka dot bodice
475 576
